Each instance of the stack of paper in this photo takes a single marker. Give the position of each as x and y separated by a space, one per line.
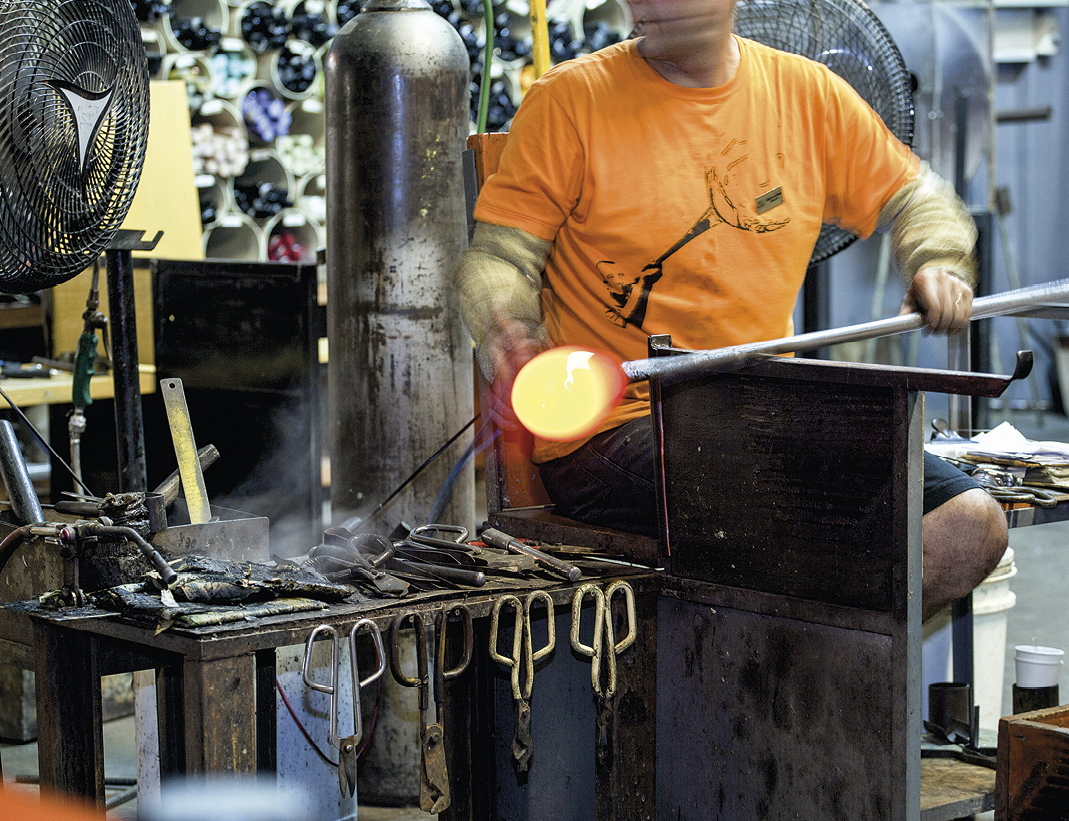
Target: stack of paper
1036 463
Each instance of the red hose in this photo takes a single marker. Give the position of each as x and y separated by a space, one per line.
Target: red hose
11 543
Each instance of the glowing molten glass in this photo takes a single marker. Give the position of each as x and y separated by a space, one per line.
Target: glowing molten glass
565 393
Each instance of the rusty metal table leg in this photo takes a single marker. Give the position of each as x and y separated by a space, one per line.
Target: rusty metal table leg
626 790
169 720
266 713
219 714
70 736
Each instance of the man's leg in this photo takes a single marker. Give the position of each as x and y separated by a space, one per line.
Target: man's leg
609 480
964 534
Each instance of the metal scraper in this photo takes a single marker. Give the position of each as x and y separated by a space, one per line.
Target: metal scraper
185 450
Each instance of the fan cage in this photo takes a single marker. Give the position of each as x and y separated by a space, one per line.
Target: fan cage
59 210
847 37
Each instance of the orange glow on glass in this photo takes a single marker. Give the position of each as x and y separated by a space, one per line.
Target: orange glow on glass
566 393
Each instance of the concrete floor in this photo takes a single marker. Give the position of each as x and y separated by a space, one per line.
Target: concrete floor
120 763
1038 615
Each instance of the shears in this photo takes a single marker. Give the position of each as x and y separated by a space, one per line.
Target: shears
346 745
434 795
603 650
523 654
1006 487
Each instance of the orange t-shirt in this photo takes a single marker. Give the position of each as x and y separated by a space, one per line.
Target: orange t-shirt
686 211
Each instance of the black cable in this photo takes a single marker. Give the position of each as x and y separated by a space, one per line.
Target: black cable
419 470
41 439
483 439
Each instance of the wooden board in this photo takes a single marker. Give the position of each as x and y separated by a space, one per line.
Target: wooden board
65 303
488 149
166 198
953 789
56 390
1033 766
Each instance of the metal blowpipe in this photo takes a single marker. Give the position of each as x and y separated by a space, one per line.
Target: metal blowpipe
672 368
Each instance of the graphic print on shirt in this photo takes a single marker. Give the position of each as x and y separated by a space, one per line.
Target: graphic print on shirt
629 293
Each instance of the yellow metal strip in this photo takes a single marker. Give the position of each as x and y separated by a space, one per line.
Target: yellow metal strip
185 450
539 37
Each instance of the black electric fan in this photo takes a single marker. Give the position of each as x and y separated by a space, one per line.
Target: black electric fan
847 37
74 117
74 113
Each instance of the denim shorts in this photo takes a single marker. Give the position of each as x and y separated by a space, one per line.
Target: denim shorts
609 480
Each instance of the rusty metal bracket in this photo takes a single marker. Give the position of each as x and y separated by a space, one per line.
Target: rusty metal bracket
921 379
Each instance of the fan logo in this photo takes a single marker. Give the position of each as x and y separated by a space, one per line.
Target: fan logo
87 109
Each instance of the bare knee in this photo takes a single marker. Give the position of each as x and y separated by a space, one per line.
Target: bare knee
964 540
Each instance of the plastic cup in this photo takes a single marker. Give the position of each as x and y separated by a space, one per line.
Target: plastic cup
1037 666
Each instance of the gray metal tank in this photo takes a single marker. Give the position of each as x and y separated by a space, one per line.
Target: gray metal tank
400 371
400 375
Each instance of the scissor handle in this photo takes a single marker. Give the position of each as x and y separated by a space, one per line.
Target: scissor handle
531 655
621 586
604 642
441 624
306 672
523 651
590 589
460 533
421 678
441 627
380 653
332 688
551 641
354 669
517 639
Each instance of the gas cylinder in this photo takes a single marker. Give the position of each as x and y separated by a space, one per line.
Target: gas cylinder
400 374
400 380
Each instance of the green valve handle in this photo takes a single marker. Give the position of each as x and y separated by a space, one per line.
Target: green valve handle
84 368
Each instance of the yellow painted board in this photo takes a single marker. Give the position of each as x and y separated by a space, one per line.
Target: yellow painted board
65 303
56 390
166 200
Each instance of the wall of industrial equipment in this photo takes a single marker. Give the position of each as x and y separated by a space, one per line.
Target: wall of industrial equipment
254 77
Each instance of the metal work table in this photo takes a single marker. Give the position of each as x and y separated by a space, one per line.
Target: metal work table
230 735
792 511
778 653
216 698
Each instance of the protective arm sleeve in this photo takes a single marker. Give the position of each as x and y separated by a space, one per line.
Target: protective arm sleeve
500 277
930 228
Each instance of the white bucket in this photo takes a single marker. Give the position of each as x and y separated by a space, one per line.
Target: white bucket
1037 666
990 601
